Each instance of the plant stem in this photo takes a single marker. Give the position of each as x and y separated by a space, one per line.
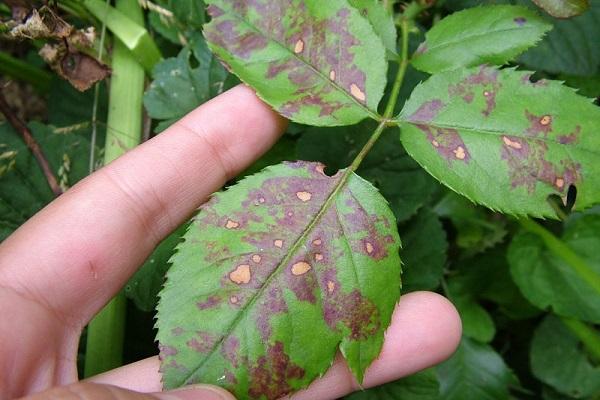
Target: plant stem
22 129
105 333
587 334
561 250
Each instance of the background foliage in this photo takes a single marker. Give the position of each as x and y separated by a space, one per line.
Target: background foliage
529 319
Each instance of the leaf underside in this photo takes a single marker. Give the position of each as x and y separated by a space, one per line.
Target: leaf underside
504 141
274 275
491 34
317 63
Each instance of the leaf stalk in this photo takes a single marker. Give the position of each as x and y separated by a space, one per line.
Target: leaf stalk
587 334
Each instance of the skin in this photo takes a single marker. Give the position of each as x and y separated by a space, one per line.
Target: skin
62 266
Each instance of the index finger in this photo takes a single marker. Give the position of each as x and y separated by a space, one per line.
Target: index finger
75 254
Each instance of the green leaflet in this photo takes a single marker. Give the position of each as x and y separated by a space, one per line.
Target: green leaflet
547 281
489 34
563 8
380 19
276 273
474 365
503 141
557 359
316 62
178 88
569 48
476 321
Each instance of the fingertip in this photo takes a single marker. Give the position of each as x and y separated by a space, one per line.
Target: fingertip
196 392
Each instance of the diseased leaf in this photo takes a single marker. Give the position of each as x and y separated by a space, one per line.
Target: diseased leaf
399 178
503 141
423 385
178 87
570 47
381 21
481 35
474 372
316 62
558 359
548 282
423 252
563 8
276 273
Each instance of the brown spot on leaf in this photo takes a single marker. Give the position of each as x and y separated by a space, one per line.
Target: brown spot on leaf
356 312
300 268
318 257
369 247
447 142
272 374
539 124
515 144
330 286
304 196
278 243
167 351
357 92
210 302
560 183
332 75
487 79
202 343
459 152
232 224
570 138
317 242
241 275
427 111
520 21
299 46
230 350
256 258
177 331
234 300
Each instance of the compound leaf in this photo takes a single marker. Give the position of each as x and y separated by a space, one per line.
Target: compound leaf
276 273
489 34
504 141
316 62
563 8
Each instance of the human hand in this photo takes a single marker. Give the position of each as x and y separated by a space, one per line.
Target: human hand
61 267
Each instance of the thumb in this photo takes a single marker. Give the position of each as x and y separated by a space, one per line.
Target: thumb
94 391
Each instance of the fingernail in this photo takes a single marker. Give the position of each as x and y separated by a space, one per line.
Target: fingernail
197 392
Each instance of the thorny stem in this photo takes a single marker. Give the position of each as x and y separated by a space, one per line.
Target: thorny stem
32 144
391 105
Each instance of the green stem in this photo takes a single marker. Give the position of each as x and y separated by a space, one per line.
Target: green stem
391 105
589 336
25 72
105 333
561 250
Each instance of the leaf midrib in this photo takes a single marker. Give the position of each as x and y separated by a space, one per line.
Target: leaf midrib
286 259
371 113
